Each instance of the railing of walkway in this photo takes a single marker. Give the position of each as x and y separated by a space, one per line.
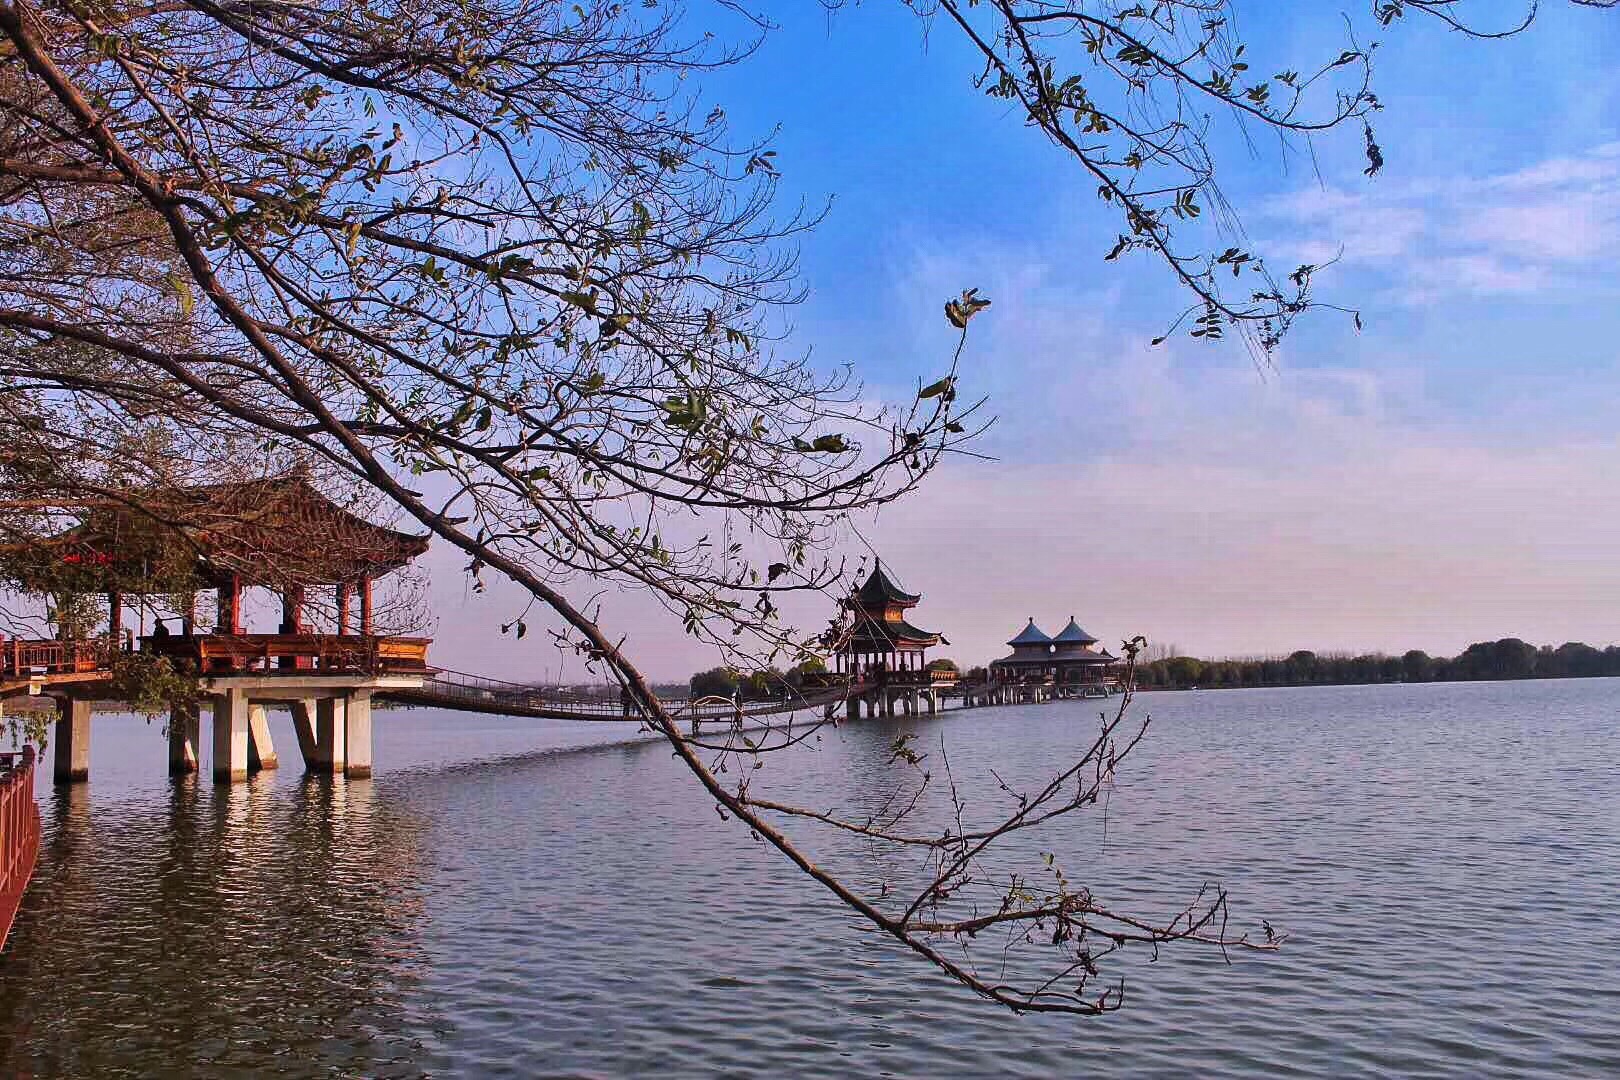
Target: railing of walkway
19 833
477 693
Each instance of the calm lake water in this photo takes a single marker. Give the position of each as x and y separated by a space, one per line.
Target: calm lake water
499 901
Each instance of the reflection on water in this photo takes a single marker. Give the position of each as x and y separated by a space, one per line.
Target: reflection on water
212 931
1445 857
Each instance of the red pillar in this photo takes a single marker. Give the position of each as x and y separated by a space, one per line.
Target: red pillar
115 616
345 598
365 606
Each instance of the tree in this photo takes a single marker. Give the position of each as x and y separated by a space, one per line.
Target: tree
1416 666
488 258
1183 671
1139 96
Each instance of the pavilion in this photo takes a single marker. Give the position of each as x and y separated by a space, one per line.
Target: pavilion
884 658
279 533
1070 663
882 642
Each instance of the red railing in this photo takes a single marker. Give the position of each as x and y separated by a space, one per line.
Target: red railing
20 658
19 833
220 654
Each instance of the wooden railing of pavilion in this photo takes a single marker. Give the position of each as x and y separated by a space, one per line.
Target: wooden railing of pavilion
20 658
19 833
347 654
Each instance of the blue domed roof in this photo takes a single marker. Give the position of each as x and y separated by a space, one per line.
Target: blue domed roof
1072 634
1031 635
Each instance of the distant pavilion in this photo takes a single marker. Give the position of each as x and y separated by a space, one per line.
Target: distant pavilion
1069 662
882 641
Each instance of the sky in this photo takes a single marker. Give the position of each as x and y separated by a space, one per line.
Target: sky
1444 476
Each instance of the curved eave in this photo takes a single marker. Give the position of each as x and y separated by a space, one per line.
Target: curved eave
1082 660
887 634
879 589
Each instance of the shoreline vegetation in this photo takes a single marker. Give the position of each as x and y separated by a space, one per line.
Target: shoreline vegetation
1507 658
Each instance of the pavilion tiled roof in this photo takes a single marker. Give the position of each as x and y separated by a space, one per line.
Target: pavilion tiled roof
880 590
1073 634
1031 635
274 531
885 633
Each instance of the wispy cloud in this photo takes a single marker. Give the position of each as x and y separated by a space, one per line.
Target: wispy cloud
1521 232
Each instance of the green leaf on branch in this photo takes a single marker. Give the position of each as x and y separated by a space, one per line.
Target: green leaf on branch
182 289
586 302
958 312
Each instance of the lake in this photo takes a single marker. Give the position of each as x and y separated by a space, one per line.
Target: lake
502 900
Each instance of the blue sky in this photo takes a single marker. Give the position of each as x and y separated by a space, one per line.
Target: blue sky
1446 475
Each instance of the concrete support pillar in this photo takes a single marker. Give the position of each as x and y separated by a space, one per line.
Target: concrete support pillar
185 736
331 739
230 719
261 751
72 739
303 718
358 724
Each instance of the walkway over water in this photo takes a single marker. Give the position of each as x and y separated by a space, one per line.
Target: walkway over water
329 683
457 690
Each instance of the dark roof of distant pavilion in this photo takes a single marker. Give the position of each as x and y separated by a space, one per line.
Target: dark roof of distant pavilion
1031 635
1073 633
880 590
1055 660
275 531
887 633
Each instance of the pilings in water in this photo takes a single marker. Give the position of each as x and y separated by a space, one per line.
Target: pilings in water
230 720
185 737
331 718
986 694
890 701
72 741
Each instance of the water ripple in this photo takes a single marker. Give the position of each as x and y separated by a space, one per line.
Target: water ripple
1445 859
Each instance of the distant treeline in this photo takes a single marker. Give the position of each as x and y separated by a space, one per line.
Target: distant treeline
1509 658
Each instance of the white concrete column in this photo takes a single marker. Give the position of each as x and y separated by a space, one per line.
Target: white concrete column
303 718
230 717
358 726
261 751
331 740
72 739
185 736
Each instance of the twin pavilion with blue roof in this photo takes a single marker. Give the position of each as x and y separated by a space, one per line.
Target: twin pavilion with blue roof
1069 665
